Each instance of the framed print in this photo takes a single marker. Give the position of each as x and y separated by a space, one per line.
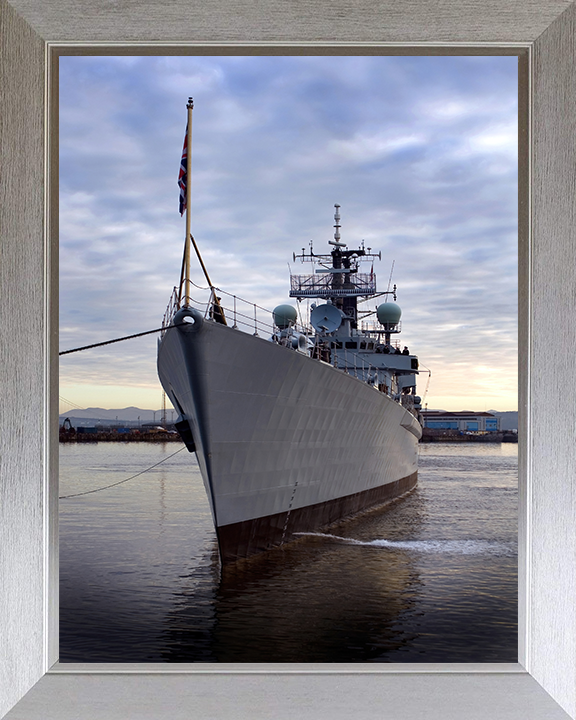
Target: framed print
422 154
542 684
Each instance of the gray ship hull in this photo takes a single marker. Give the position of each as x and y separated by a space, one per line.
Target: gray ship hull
285 443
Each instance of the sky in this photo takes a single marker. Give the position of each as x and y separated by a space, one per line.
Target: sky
420 153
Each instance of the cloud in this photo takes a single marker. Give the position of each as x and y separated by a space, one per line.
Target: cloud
420 152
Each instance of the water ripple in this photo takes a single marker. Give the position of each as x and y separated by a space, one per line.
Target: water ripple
441 547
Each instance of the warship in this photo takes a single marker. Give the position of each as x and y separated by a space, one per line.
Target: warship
300 417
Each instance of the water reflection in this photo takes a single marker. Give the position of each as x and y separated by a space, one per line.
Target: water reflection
314 600
433 578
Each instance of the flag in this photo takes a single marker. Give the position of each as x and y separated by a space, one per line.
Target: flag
183 174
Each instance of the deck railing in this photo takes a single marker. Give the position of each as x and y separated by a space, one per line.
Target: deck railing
238 313
256 320
323 286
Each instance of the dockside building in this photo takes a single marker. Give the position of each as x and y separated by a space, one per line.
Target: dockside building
464 421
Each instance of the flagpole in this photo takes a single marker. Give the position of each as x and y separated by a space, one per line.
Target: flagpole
185 272
187 296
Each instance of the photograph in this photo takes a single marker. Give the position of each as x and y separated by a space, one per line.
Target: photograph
288 413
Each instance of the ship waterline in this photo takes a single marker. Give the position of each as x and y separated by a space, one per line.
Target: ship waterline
286 443
242 539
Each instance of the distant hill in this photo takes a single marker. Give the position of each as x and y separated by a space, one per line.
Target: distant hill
129 415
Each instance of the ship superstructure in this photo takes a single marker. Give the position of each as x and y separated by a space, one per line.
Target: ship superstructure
344 334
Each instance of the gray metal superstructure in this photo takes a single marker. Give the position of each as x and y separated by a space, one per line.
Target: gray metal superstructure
298 428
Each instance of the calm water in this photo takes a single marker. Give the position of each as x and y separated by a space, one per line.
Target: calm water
432 578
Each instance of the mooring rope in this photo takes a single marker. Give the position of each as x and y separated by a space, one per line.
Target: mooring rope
87 492
127 337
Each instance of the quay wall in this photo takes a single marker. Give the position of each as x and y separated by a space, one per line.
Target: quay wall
111 436
431 435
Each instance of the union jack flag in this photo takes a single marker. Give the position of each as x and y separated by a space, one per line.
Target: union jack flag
183 174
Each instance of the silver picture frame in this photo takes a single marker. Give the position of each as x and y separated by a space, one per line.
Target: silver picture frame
32 683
